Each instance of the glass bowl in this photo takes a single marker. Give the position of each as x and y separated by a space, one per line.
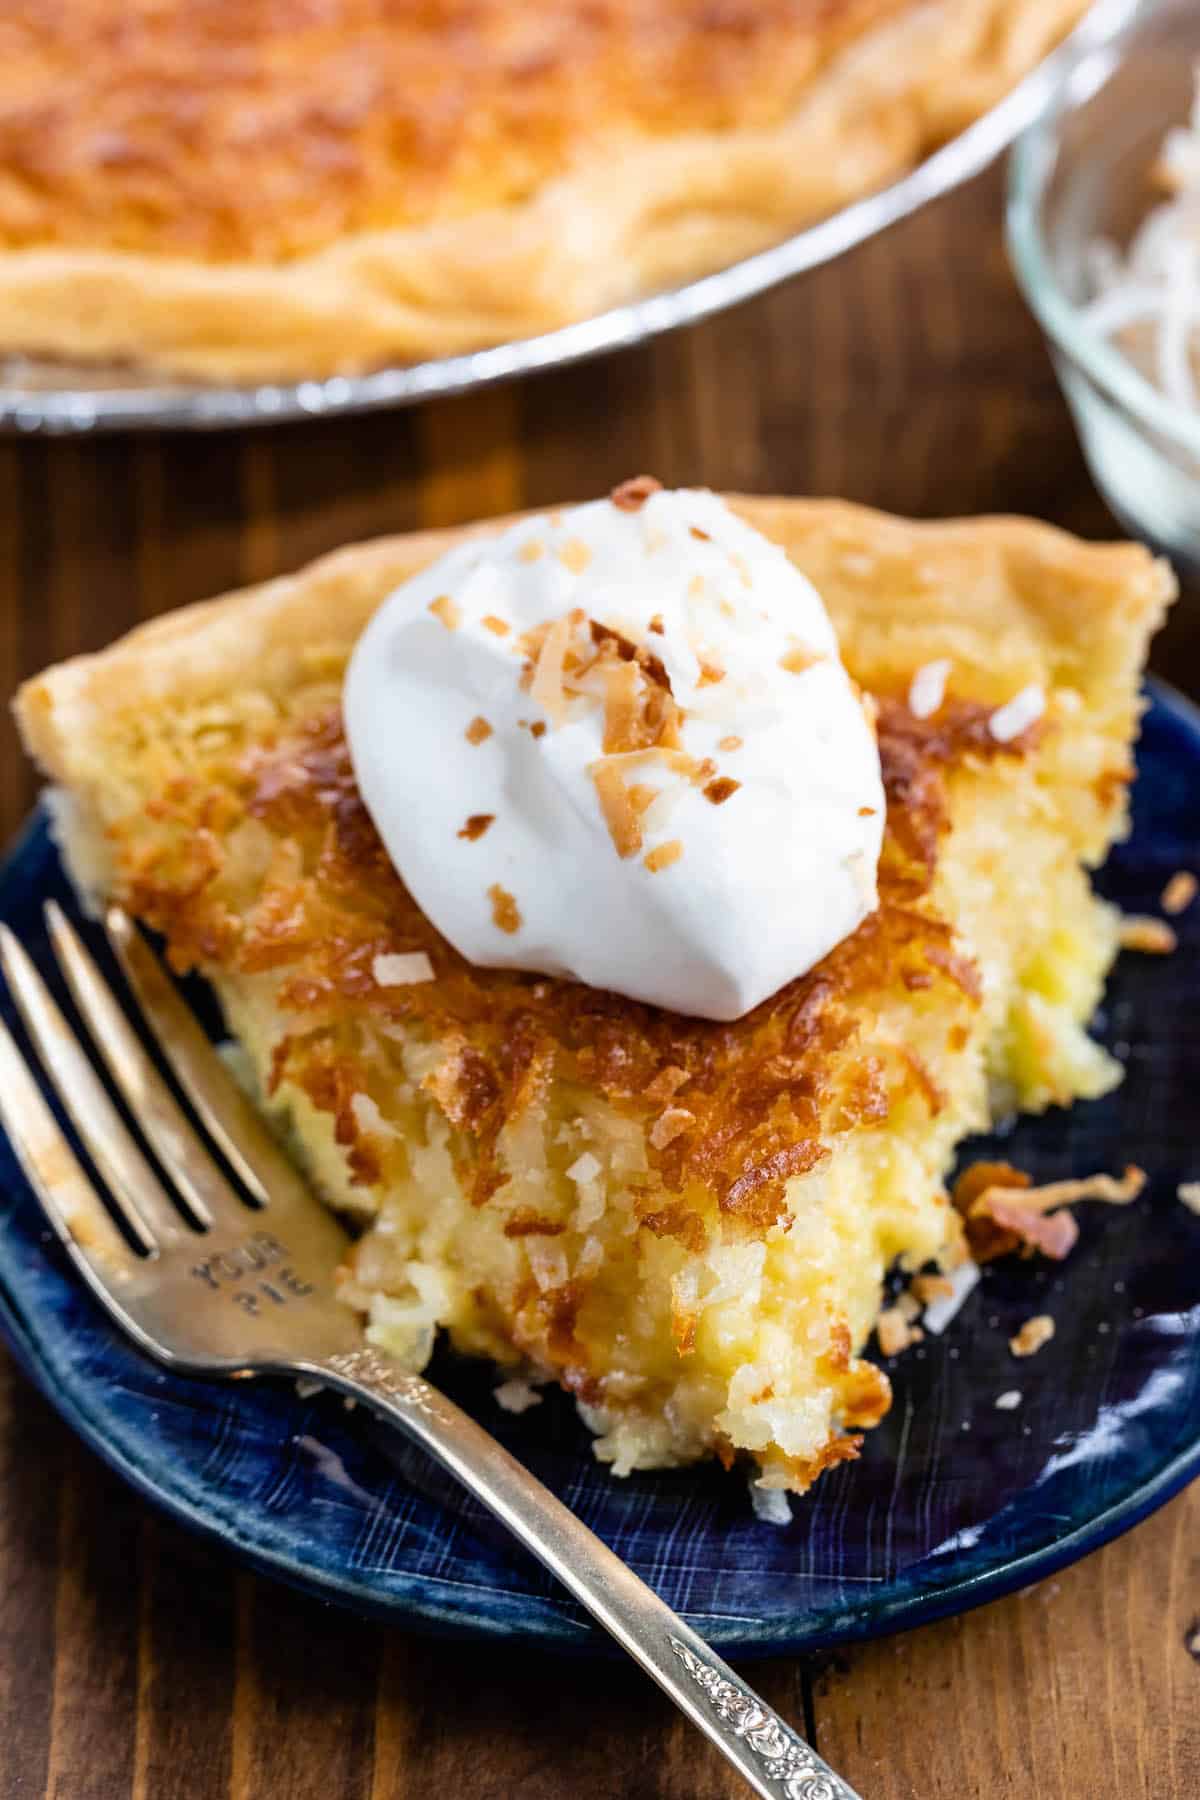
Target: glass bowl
1083 173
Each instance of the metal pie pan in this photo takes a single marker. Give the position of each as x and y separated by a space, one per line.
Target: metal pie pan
61 399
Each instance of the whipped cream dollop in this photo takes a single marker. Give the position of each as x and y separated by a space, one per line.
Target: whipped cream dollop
617 743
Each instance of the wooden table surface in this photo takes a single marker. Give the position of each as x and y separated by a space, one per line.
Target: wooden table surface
135 1664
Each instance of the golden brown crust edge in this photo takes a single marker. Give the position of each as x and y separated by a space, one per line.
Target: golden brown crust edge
1012 600
630 219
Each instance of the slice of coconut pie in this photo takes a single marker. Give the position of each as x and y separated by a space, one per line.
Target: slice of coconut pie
685 1222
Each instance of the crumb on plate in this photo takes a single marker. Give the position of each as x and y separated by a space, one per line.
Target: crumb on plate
1033 1334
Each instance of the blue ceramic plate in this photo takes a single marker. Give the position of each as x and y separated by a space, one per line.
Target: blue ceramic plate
954 1500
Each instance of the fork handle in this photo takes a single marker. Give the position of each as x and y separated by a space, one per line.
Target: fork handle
776 1763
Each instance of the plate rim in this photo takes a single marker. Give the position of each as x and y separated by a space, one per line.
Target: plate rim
549 1621
29 411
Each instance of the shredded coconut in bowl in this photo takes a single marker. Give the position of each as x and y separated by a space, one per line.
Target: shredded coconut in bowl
1148 299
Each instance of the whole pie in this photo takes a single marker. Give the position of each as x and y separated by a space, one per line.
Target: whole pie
249 189
687 1224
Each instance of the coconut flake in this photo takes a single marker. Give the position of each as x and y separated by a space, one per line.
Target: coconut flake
590 1258
1149 298
624 826
895 1332
939 1313
368 1117
584 1168
1179 892
548 1261
547 684
1009 1401
516 1396
928 688
1017 714
1145 933
771 1505
402 969
669 1125
1033 1334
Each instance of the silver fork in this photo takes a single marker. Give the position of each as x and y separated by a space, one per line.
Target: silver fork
224 1285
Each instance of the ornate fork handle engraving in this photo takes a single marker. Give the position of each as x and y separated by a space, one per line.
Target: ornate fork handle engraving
773 1761
786 1759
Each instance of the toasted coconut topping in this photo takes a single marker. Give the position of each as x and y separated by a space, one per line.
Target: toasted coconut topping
978 1177
532 550
622 711
498 627
733 743
443 608
1054 1234
656 625
927 689
666 1085
575 555
633 494
478 730
771 1093
620 814
669 1125
722 789
663 855
1179 892
698 531
628 679
506 915
1189 1193
402 969
1153 937
798 660
1015 717
476 825
1053 1194
527 1222
640 709
1006 1209
1033 1334
895 1332
546 686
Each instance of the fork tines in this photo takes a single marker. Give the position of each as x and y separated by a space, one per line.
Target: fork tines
154 1212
